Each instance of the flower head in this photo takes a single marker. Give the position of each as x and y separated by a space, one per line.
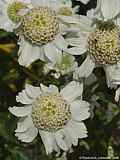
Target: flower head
41 32
57 116
104 43
50 112
12 13
40 25
14 9
100 35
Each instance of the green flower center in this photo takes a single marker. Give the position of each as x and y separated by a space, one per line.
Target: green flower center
40 25
50 112
104 43
14 9
66 63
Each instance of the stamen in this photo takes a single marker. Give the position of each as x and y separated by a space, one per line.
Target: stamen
50 112
40 25
104 43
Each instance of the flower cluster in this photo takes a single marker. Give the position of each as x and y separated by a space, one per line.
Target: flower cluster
53 32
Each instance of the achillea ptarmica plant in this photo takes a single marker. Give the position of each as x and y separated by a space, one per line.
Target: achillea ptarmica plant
57 116
100 35
41 32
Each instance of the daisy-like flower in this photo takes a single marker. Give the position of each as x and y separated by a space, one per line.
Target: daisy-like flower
100 36
41 32
57 116
11 13
66 65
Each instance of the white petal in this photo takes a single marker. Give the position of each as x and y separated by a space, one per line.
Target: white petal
2 4
70 19
76 51
72 29
80 129
55 5
85 24
52 53
60 42
91 13
80 110
85 69
24 124
84 1
118 20
20 111
44 88
6 24
76 130
27 136
80 41
67 138
32 91
6 1
42 56
43 3
117 95
50 89
59 135
72 91
26 1
28 53
113 74
53 88
73 41
71 132
49 141
23 98
110 8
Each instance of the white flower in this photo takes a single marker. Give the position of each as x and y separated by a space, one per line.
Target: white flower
57 116
100 38
41 35
11 12
66 65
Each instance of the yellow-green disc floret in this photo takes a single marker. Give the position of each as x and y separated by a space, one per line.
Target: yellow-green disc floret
14 9
40 25
104 43
50 112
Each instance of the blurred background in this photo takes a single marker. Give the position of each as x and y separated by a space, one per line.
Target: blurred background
103 126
